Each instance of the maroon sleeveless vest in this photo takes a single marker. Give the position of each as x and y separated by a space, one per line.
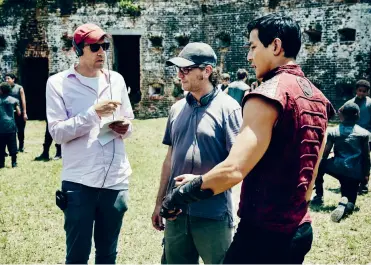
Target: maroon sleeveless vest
273 193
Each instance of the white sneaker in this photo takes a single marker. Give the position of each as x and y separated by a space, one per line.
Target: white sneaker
339 212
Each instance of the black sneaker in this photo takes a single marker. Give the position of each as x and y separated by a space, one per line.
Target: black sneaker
363 189
317 200
21 150
42 157
14 164
339 212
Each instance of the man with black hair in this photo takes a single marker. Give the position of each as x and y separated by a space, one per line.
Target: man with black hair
200 131
364 102
351 162
17 92
95 172
8 128
237 89
276 154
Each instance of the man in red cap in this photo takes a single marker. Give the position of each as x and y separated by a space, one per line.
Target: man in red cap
80 101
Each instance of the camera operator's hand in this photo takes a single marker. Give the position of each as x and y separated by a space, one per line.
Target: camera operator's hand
106 108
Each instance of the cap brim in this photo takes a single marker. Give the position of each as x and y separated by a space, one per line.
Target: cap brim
180 62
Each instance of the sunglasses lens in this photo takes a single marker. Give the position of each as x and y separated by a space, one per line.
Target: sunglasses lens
105 46
95 46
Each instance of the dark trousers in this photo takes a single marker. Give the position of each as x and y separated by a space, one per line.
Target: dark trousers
252 245
8 140
348 185
21 125
88 208
48 140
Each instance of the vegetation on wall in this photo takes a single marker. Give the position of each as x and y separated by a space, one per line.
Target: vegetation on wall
67 41
129 7
182 38
224 39
68 7
156 40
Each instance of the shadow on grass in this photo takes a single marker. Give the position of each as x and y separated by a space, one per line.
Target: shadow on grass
321 208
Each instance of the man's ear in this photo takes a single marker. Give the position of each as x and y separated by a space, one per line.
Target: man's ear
277 46
208 70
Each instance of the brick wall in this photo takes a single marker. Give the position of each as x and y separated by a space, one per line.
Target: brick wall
330 63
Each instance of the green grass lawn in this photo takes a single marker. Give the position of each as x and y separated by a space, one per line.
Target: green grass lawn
31 226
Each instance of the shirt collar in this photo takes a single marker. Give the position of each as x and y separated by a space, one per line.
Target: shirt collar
72 72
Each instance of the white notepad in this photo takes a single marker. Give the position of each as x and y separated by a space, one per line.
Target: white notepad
106 134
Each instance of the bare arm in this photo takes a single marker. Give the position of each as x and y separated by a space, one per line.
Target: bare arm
18 110
308 194
259 117
23 99
165 173
164 181
329 144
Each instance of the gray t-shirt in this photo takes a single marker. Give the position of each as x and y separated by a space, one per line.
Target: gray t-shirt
15 92
7 106
201 137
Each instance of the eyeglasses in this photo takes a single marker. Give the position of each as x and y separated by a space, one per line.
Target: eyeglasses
96 46
186 70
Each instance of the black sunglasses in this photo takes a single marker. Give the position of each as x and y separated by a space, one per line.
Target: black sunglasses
96 46
186 70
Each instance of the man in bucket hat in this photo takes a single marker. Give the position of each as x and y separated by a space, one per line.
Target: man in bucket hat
95 173
200 131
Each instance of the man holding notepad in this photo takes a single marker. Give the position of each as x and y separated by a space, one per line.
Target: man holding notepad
80 101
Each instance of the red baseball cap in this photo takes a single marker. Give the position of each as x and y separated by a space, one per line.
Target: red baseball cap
89 34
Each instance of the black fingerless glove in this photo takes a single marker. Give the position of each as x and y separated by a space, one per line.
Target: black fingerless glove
182 195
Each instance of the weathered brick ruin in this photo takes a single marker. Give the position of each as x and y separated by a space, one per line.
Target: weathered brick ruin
35 41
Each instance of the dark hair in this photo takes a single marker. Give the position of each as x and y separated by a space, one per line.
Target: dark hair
225 76
241 74
5 88
363 83
350 112
214 77
278 26
11 75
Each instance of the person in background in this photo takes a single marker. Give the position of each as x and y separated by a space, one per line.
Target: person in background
18 93
48 140
238 88
225 79
8 129
351 161
364 103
